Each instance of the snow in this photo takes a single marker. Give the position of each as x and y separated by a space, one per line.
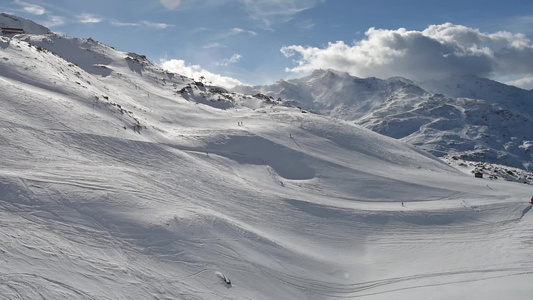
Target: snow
491 171
476 118
121 181
10 21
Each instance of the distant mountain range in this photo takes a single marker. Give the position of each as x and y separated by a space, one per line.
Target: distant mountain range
473 118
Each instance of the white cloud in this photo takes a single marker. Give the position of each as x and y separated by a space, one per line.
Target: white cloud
436 52
156 25
277 11
267 12
522 23
89 18
123 24
31 8
171 4
142 24
525 83
236 31
54 21
233 59
195 71
307 24
213 45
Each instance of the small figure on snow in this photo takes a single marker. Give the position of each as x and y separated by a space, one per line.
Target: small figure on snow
531 200
224 278
403 205
227 281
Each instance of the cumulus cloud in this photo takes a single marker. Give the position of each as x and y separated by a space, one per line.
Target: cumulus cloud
195 71
436 52
231 60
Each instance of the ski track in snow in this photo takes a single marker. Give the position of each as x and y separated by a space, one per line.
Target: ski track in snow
115 185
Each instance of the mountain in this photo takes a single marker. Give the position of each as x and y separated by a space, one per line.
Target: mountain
30 27
119 180
469 117
336 94
474 87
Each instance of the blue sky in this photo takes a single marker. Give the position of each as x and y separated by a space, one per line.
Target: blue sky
262 41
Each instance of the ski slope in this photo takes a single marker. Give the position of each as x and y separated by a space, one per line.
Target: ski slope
119 180
474 118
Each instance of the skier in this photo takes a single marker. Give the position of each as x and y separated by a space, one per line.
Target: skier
531 200
402 204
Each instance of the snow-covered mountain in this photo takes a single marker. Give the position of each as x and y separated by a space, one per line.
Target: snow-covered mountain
474 118
119 180
29 27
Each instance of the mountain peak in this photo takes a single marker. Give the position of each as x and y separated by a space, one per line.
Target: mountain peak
329 72
28 26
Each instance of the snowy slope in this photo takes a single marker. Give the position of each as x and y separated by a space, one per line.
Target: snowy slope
475 118
30 27
470 86
121 181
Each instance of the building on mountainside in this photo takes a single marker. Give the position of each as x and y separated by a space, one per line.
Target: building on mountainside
9 30
478 175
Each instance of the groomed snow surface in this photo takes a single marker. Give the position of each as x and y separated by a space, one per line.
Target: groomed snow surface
116 185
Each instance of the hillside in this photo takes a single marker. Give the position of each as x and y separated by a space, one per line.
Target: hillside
119 180
474 118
